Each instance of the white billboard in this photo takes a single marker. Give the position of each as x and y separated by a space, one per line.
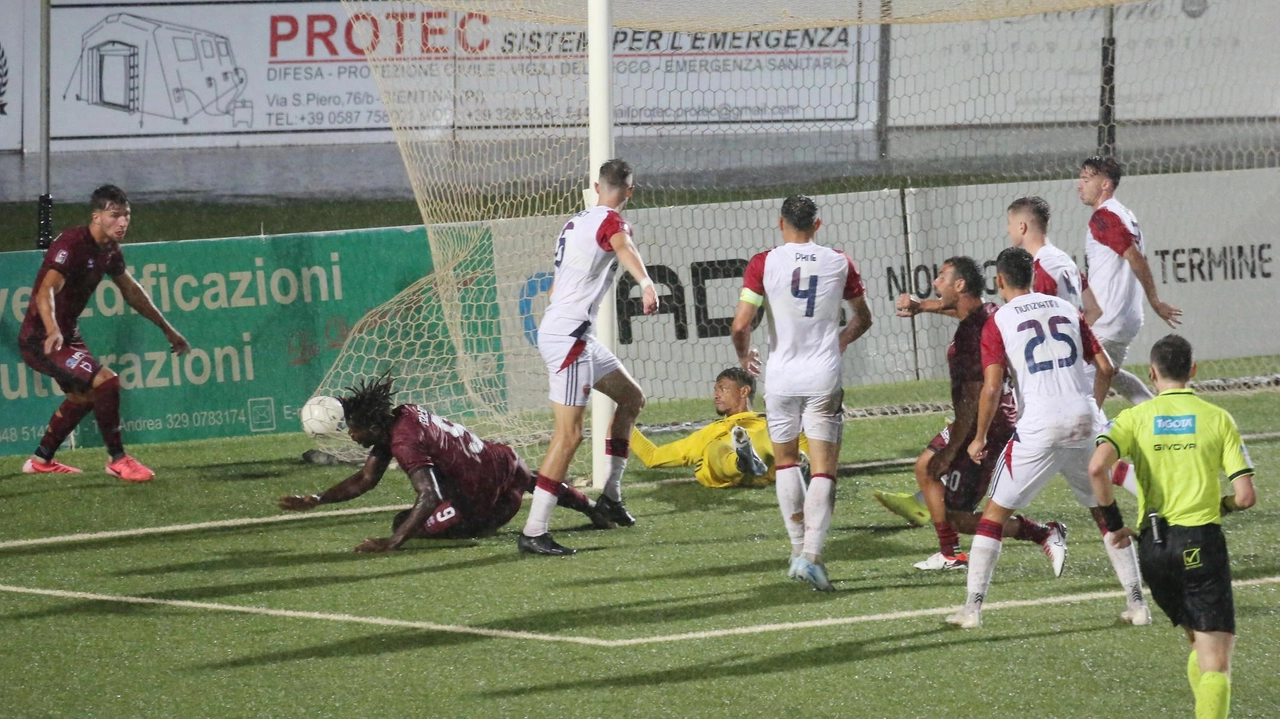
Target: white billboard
201 73
1176 59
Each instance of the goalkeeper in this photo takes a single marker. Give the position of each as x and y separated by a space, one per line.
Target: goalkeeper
731 452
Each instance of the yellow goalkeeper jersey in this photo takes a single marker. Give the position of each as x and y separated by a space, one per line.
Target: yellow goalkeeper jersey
710 451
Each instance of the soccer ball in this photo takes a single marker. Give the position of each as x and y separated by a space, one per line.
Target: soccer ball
322 417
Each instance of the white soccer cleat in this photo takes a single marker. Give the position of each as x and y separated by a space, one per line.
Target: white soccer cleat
969 617
749 463
1054 546
1138 614
941 562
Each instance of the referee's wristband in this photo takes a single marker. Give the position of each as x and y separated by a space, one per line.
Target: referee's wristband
1111 516
645 284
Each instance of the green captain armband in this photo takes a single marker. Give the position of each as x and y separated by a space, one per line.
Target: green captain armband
749 296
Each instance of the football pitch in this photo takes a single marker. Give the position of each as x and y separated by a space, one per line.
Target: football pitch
226 607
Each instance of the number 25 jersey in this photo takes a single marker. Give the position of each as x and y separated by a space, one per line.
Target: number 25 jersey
1047 347
805 285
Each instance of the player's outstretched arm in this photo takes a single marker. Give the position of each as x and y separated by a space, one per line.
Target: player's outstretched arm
424 482
910 306
1171 315
139 300
350 488
859 325
629 257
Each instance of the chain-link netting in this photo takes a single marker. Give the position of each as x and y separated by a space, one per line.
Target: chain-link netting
914 138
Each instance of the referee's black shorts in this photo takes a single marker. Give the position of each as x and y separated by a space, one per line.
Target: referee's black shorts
1190 577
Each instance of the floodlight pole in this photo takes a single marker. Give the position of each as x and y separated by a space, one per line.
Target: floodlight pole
600 150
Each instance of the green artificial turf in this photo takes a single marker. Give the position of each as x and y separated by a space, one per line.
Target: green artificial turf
698 561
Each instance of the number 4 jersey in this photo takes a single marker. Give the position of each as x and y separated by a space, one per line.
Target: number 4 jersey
1048 348
805 285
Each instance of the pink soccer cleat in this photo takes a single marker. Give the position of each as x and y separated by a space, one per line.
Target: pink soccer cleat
35 465
130 470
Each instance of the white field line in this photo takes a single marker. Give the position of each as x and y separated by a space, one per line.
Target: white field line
589 641
174 528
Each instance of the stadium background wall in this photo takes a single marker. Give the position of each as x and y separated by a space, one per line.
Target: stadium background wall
1183 217
265 317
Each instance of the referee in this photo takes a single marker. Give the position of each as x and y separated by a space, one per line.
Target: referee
1179 445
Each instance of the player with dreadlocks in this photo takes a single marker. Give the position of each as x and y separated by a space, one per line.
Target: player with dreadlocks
466 487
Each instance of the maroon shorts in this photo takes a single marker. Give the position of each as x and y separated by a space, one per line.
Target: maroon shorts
72 367
967 483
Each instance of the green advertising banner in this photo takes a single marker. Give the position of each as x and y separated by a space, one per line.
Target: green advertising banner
265 316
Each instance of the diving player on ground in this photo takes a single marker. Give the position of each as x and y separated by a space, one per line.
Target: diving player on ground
466 487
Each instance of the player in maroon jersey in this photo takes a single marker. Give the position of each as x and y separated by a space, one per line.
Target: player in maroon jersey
466 487
50 340
952 484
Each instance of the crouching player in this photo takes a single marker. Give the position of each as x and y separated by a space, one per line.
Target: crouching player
466 487
952 483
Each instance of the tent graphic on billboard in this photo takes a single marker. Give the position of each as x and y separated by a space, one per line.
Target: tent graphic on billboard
150 67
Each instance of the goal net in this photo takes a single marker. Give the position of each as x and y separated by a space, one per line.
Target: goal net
913 123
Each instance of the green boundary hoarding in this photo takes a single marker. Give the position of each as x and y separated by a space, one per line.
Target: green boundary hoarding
265 316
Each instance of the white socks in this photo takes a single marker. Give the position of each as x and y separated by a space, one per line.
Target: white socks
613 485
1127 385
791 500
819 504
1125 563
983 555
539 519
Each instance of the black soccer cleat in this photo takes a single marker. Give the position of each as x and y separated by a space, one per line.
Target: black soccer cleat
615 511
599 520
542 544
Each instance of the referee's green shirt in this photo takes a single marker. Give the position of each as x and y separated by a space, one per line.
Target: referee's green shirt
1179 444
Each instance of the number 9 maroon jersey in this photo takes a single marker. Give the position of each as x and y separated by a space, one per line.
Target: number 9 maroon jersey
473 474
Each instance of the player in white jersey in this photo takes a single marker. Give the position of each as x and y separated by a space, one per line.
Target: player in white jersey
591 246
805 284
1118 271
1056 274
1045 344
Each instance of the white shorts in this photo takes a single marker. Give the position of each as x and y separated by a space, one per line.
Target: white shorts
574 365
1023 471
820 416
